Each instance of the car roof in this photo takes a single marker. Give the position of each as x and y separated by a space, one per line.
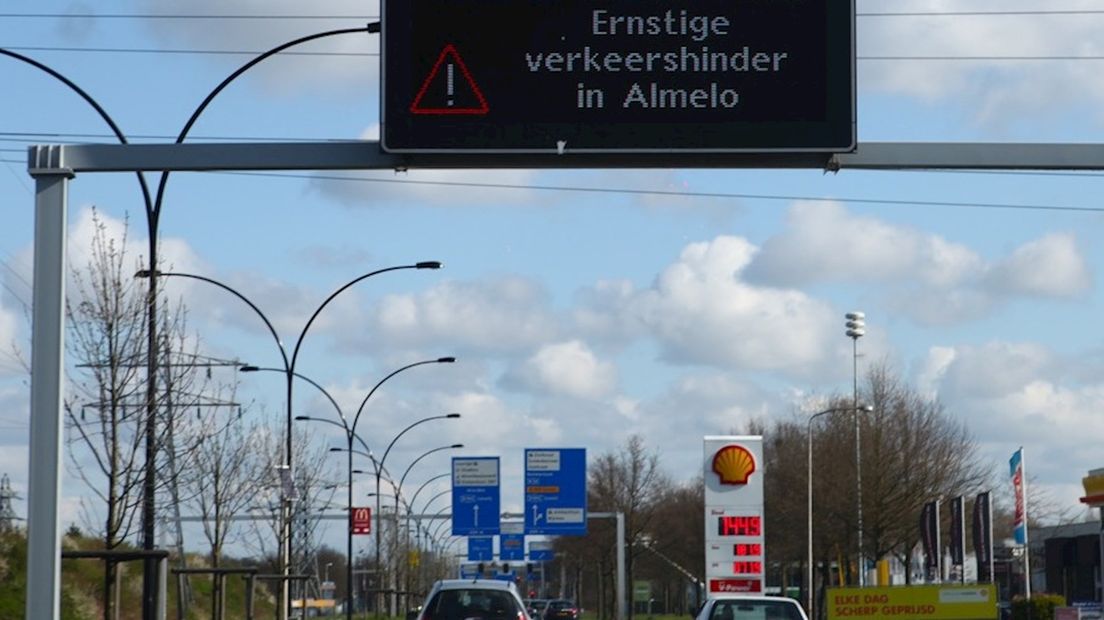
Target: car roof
466 584
753 597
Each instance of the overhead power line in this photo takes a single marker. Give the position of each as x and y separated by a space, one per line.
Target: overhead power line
685 194
213 16
144 50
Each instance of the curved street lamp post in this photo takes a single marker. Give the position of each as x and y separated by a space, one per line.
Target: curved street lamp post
809 597
398 491
382 461
289 368
350 435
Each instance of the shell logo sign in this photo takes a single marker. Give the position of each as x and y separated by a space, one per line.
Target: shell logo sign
733 464
732 467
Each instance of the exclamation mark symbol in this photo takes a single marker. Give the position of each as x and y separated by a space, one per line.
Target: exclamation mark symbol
450 87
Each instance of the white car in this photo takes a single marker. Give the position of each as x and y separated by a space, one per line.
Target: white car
750 607
473 599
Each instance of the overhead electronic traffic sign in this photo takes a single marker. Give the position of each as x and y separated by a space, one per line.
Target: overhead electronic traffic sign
618 76
555 491
475 496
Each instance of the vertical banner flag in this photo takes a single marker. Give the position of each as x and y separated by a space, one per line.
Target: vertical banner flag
1019 521
929 536
958 532
983 537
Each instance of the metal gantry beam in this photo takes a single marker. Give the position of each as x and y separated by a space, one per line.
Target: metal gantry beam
367 155
53 166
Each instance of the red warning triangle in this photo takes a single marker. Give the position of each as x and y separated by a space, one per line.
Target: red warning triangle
443 93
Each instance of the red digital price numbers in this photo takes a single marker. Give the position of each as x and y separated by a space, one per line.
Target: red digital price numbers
740 526
745 567
747 549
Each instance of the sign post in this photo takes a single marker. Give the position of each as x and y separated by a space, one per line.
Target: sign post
734 558
555 491
618 76
475 496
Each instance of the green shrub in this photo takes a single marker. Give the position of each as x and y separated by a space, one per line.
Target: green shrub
1038 607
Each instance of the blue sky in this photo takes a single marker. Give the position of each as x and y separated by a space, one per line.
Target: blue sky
580 316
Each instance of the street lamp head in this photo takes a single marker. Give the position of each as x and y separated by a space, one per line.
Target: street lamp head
446 360
249 368
336 449
303 418
856 324
867 408
456 446
453 415
429 264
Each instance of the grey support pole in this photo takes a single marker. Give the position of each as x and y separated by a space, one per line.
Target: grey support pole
47 365
622 605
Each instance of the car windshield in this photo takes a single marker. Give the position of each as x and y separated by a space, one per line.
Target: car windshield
472 603
755 610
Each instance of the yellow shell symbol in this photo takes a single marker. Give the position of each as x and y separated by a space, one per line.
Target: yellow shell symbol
734 464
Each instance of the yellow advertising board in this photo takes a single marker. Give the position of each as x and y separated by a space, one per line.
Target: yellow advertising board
921 602
319 603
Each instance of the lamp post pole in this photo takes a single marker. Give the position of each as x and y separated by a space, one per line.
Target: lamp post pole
383 459
856 328
809 589
402 479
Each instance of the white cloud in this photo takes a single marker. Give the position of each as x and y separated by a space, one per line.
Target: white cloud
928 278
1013 394
996 92
823 241
569 369
286 72
503 315
702 312
1051 266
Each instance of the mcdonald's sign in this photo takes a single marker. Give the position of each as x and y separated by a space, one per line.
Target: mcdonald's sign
360 520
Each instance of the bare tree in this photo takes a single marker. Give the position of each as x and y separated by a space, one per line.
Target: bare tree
106 333
628 481
222 476
314 489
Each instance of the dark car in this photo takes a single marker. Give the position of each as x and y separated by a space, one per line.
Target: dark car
561 609
535 607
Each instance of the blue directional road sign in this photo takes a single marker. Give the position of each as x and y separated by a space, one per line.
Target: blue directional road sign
541 551
475 496
511 541
555 491
480 548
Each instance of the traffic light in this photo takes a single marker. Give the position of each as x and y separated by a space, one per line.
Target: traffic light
528 569
505 568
